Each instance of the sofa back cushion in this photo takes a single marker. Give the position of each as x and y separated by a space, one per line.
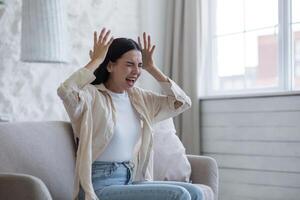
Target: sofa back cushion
170 160
42 149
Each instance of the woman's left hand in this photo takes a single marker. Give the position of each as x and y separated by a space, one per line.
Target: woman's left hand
147 52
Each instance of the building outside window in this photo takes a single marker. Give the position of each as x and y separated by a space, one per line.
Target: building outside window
254 46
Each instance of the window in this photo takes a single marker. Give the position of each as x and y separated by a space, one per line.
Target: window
254 46
295 25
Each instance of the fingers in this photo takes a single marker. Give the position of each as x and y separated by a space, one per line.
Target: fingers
110 41
103 37
152 50
149 42
139 41
102 33
145 42
91 54
106 37
95 38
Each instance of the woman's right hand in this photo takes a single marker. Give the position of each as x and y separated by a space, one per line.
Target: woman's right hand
101 45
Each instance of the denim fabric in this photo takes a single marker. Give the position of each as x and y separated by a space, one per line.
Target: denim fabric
113 181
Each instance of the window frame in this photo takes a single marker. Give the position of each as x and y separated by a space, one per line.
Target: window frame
285 56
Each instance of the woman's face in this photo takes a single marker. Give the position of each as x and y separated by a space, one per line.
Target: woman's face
125 71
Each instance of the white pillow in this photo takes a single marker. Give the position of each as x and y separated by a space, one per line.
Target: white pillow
170 160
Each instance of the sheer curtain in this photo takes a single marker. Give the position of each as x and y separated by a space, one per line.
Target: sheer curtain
183 58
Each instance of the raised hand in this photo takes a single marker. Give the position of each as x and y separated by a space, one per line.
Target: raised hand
148 63
147 51
101 45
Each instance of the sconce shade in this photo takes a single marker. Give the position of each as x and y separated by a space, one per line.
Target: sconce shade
44 31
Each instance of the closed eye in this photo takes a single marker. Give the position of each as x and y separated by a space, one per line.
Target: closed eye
128 63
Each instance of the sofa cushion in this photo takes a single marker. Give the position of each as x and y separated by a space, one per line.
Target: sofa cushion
42 149
170 160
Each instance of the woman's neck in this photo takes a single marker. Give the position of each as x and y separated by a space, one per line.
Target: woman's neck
112 87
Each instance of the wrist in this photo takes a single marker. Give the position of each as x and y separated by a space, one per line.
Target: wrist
93 64
151 68
157 74
97 61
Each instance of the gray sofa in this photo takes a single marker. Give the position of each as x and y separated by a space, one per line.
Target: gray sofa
37 161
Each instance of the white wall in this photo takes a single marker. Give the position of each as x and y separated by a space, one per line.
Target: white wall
28 90
153 21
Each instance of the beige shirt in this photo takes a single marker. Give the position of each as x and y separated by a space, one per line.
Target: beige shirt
92 116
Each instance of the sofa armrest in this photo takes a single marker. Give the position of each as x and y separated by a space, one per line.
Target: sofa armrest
205 171
15 186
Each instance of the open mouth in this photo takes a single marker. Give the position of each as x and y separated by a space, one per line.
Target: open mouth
130 81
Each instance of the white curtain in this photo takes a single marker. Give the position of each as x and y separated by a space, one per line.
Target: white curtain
183 58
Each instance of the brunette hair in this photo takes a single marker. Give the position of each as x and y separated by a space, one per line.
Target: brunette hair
118 47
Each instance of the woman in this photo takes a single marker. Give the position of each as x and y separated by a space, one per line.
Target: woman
111 120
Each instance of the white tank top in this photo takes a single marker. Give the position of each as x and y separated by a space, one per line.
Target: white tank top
126 133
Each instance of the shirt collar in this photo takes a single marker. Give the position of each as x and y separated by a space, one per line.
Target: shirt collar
101 87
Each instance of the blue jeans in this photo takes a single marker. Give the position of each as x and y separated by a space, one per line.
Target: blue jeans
113 181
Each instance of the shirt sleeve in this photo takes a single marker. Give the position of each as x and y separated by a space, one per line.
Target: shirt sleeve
71 91
170 104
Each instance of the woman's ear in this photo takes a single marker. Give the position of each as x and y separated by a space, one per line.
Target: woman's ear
110 66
